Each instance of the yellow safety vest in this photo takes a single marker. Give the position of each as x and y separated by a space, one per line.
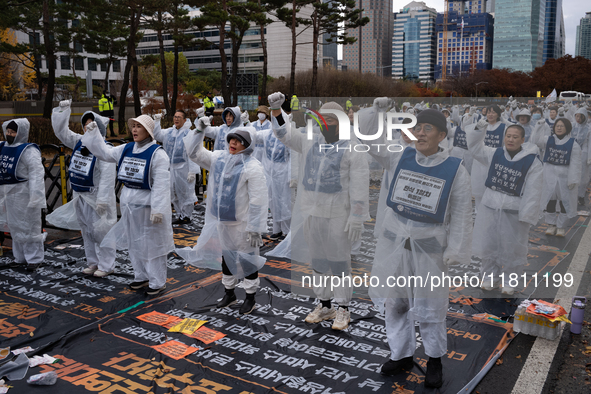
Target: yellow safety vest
207 103
105 104
295 104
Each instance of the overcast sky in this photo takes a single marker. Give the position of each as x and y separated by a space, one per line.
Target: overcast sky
573 10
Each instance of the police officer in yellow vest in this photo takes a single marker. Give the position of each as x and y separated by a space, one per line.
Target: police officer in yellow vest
348 104
105 105
295 103
209 105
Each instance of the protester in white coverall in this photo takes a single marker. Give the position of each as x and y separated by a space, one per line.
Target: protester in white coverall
331 205
236 214
427 227
562 173
183 171
231 118
526 120
457 138
581 134
276 163
495 133
22 193
145 227
261 124
93 210
510 205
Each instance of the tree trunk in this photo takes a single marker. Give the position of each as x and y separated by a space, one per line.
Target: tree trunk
263 92
315 34
175 79
233 88
123 97
224 77
106 82
293 51
163 66
135 18
48 106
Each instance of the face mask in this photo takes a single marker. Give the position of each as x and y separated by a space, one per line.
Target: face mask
330 134
536 116
10 139
261 116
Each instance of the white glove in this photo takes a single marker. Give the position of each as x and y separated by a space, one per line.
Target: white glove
276 100
65 104
482 124
354 228
255 239
561 111
91 126
203 123
157 117
381 102
191 178
293 183
101 209
514 104
200 112
422 103
510 98
472 110
244 117
541 121
156 218
572 186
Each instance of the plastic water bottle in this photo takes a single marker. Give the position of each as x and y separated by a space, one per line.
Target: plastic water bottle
577 313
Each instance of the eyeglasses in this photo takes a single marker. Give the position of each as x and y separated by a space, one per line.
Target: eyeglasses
427 128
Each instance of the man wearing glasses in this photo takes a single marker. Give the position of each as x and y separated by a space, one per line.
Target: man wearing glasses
427 226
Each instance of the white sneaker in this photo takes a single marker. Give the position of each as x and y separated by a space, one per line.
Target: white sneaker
320 314
101 274
560 232
90 270
508 290
486 285
551 230
341 322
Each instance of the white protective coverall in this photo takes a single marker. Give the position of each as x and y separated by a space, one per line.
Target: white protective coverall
409 247
457 138
21 202
505 215
276 163
259 148
81 213
237 204
494 138
219 133
332 195
182 192
580 133
558 177
148 243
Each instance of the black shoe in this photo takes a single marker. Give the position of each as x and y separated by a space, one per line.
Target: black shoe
151 292
229 299
434 375
32 267
248 305
276 236
582 201
391 367
180 220
139 285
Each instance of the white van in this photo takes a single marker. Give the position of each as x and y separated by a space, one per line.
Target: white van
571 95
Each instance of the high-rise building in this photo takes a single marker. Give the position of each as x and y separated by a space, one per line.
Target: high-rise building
583 46
554 36
467 6
372 52
469 43
413 42
519 34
